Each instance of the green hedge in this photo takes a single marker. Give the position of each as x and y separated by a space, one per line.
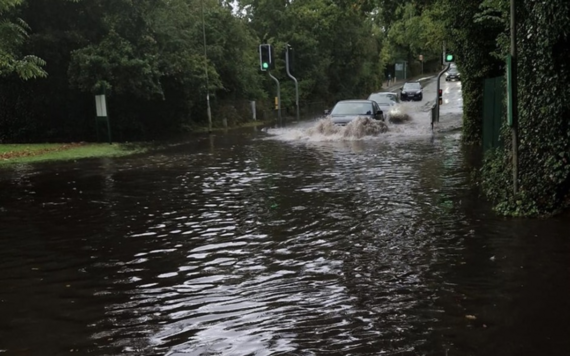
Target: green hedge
544 113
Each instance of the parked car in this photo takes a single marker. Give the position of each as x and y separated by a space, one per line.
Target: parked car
347 110
452 74
391 95
411 91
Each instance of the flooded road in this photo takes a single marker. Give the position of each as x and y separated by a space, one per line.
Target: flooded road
277 242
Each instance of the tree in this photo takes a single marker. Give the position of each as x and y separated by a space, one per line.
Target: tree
12 35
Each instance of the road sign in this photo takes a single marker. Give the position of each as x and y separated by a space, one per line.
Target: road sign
101 105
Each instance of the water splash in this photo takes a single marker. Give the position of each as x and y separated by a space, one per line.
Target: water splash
325 130
324 127
362 126
399 115
400 125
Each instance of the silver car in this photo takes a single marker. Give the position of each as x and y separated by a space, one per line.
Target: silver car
385 103
347 110
388 94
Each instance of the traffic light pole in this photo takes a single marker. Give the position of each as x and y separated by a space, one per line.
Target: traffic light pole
278 96
436 118
295 80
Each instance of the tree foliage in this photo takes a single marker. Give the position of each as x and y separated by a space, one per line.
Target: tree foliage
151 59
13 33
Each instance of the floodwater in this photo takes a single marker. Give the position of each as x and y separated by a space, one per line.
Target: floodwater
281 241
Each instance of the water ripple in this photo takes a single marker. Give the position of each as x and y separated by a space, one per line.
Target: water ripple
264 248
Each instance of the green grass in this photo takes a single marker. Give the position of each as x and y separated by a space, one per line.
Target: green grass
41 152
29 153
32 147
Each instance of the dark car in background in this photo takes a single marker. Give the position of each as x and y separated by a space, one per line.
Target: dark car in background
452 74
411 91
347 110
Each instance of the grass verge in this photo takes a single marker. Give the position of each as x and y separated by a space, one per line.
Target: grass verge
29 153
41 152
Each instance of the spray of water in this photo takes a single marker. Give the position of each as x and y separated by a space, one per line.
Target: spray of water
399 115
324 127
362 126
356 129
407 121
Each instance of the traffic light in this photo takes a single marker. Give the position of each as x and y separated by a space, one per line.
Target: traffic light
440 96
449 57
265 57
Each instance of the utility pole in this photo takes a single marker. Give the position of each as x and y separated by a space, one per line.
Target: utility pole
513 102
206 70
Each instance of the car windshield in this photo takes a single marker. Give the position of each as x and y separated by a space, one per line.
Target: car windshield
381 98
453 71
352 108
412 86
394 97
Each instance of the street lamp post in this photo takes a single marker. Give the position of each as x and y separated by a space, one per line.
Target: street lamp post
206 70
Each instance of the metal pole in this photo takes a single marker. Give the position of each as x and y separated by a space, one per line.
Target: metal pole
206 70
278 96
514 106
436 118
294 79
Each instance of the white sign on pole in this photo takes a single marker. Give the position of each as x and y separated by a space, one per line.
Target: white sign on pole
101 105
399 66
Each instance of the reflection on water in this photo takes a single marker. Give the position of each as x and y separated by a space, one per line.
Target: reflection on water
239 245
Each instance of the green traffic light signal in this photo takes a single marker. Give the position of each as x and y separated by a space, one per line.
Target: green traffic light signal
449 57
265 57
